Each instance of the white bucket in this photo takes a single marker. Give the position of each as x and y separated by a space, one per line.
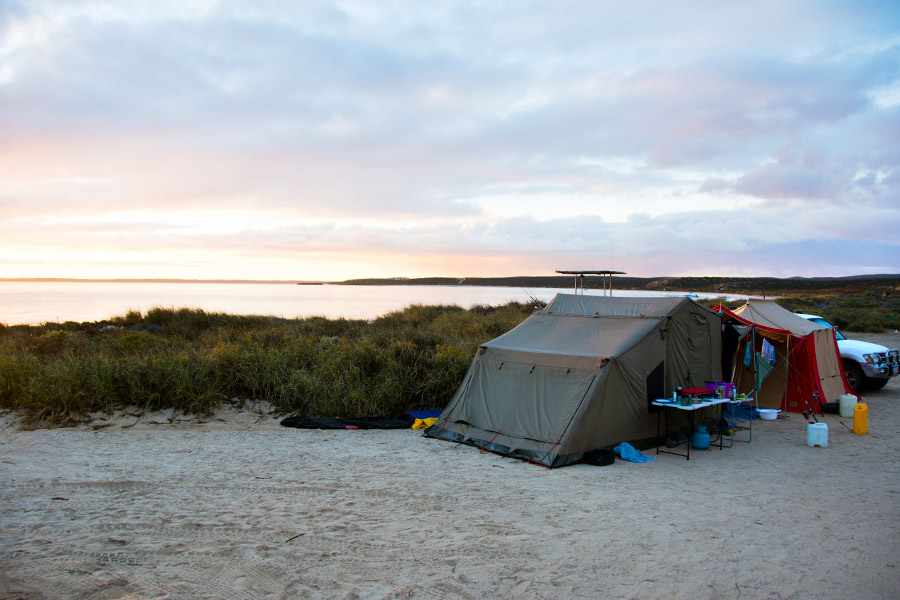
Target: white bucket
817 435
768 414
848 403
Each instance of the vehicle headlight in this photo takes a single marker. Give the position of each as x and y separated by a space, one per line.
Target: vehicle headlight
869 359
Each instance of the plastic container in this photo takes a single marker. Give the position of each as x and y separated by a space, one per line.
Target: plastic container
721 389
817 435
600 457
700 438
848 401
860 418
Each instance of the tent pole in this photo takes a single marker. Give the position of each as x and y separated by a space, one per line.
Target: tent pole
756 385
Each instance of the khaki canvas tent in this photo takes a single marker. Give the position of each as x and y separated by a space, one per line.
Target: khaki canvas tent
580 375
793 363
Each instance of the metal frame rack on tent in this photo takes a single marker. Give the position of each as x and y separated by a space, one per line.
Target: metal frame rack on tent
579 277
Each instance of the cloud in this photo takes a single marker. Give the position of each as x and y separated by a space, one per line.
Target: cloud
514 130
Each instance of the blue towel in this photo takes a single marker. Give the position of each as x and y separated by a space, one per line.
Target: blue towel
425 414
631 454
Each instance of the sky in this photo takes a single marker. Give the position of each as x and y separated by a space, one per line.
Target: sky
329 140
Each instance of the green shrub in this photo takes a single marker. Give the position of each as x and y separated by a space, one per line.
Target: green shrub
190 360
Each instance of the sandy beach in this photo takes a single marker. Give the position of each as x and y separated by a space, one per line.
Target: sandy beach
236 506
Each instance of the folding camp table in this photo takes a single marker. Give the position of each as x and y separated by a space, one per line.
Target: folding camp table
675 404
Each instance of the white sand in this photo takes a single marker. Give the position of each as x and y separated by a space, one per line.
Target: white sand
243 508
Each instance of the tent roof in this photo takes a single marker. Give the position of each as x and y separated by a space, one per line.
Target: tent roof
574 335
770 314
614 306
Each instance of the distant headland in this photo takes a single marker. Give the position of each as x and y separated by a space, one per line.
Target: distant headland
772 285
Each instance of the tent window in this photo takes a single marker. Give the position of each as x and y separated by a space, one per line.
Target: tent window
656 385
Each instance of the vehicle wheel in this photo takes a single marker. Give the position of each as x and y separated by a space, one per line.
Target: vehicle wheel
873 383
854 375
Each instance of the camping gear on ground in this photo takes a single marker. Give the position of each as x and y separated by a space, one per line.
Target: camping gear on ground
402 422
860 418
817 435
600 457
768 414
701 438
581 374
847 403
786 359
632 454
308 422
831 407
432 413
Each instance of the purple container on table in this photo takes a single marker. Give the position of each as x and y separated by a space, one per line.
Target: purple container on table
728 388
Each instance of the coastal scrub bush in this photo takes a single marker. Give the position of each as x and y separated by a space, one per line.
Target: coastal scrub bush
191 360
863 311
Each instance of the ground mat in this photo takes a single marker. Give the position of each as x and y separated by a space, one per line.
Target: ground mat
306 422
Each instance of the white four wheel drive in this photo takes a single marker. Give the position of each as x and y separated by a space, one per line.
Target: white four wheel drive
867 366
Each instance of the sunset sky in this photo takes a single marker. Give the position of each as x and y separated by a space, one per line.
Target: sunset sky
306 140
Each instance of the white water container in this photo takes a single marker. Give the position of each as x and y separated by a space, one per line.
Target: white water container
817 435
848 403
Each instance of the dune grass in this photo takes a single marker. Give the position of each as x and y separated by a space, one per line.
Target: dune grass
191 360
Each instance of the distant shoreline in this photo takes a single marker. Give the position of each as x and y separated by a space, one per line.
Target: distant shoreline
124 280
749 285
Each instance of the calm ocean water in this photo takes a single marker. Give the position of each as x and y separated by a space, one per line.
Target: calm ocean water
39 302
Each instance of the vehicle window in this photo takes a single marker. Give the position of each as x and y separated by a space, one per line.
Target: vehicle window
822 321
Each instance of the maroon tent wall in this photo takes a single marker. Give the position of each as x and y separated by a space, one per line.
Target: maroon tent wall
803 390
